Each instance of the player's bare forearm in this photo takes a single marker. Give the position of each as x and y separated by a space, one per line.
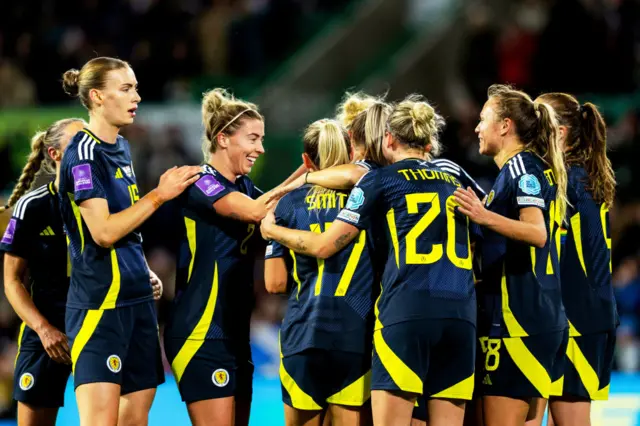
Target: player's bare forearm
303 242
238 206
275 275
106 229
320 245
17 294
344 176
532 232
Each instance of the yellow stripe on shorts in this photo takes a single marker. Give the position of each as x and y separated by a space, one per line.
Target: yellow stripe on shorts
461 390
354 395
89 325
401 374
197 336
299 398
587 374
528 365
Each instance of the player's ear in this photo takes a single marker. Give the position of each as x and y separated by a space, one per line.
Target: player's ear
54 154
505 125
563 136
223 140
388 140
96 97
308 163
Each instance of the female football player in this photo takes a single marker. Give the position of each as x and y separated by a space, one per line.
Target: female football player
522 324
110 319
424 334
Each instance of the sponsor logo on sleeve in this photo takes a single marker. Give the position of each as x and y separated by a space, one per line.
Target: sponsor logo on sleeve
348 216
209 185
82 179
530 201
269 251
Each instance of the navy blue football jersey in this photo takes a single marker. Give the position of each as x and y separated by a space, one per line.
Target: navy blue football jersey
101 278
466 181
428 270
585 262
331 300
521 283
35 234
214 280
367 164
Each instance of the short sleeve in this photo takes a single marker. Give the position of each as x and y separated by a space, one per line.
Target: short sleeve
206 191
364 164
362 202
282 212
16 237
84 174
529 190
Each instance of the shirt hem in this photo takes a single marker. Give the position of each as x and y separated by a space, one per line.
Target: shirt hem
122 304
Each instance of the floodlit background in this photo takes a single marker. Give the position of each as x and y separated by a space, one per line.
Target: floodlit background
296 58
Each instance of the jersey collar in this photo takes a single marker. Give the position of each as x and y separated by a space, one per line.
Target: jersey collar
90 133
52 188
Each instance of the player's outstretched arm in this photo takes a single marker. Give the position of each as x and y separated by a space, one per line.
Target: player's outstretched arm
344 176
530 229
239 206
320 245
106 228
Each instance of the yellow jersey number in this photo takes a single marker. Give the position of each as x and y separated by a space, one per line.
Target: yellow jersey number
251 228
491 349
133 193
604 213
437 250
349 269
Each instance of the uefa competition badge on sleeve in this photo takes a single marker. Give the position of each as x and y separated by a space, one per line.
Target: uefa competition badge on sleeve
356 199
209 185
529 184
7 238
82 177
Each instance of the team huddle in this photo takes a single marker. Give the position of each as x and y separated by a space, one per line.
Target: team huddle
414 297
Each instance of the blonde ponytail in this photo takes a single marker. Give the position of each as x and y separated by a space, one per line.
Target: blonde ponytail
548 146
416 124
39 159
326 143
353 105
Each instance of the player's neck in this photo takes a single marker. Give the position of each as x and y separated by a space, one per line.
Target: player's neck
56 182
358 154
222 165
409 153
509 149
106 132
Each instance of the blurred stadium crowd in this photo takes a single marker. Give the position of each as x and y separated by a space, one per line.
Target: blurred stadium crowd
587 47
